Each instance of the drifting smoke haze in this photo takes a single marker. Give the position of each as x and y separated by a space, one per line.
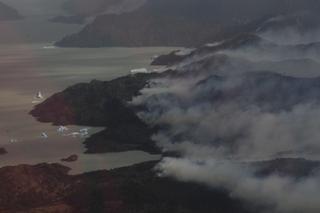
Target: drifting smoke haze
224 109
299 28
274 193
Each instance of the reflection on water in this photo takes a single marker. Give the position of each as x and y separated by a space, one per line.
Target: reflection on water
26 69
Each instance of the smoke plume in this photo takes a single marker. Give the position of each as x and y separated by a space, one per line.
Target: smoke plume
229 108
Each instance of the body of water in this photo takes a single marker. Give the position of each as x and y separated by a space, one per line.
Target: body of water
28 67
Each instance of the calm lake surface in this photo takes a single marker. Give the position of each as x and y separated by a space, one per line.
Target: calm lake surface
29 67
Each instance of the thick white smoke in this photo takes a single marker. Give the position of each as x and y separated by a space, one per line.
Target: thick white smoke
274 193
230 107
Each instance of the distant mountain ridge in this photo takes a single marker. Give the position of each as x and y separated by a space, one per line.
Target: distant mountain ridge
179 23
8 13
94 7
79 10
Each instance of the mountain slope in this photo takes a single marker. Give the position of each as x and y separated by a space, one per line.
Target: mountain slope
8 13
102 104
179 23
94 7
48 188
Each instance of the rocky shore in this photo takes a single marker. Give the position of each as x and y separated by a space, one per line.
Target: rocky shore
102 104
3 151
